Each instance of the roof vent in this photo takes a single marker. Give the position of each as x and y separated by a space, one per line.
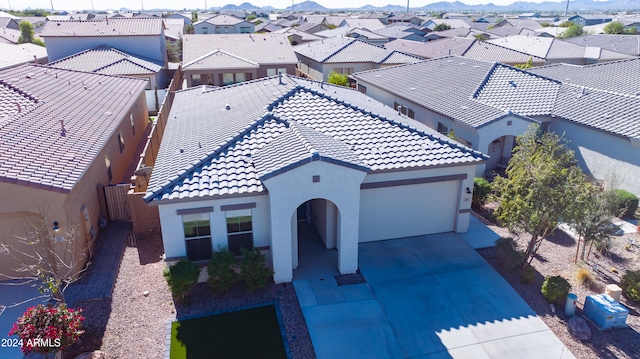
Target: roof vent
227 107
399 109
204 88
63 131
513 83
19 108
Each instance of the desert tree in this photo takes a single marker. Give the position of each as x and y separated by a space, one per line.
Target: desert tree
48 253
541 184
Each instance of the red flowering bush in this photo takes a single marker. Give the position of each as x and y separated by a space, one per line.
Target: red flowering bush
45 329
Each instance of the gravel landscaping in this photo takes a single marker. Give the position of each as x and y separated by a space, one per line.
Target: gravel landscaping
556 257
133 325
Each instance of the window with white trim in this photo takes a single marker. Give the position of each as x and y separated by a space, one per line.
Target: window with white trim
239 230
197 236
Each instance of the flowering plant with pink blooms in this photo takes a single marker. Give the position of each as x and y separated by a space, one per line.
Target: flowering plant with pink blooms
45 329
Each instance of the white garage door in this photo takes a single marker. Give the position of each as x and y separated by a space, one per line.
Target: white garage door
404 211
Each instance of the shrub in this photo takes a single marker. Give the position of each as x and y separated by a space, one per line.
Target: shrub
630 284
442 27
528 274
508 253
481 189
585 278
252 270
555 289
181 277
59 327
626 203
338 79
221 270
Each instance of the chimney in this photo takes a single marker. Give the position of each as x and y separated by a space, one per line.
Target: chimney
63 131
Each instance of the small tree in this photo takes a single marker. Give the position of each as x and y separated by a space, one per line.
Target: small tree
26 32
47 253
252 270
442 27
541 184
614 27
181 277
338 79
590 215
526 65
572 31
221 270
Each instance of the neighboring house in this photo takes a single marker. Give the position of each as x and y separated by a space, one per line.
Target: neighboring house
64 134
312 28
487 51
267 27
588 20
601 104
457 32
430 24
454 96
132 35
626 44
404 18
220 60
184 17
505 31
367 24
12 55
401 32
368 36
9 23
173 29
345 55
432 49
223 24
296 36
259 161
109 61
557 51
520 23
9 36
529 15
486 105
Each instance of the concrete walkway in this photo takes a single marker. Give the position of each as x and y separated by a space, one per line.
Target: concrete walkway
425 297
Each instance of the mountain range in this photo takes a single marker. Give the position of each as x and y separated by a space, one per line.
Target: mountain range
556 6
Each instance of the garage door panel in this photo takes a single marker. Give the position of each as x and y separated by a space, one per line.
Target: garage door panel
404 211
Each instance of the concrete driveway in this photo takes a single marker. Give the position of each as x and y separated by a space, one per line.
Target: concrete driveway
426 297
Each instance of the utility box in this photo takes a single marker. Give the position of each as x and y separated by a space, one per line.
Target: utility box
605 311
613 291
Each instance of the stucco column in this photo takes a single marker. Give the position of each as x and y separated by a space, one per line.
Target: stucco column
348 230
281 244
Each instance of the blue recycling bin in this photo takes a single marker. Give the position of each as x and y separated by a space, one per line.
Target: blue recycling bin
605 311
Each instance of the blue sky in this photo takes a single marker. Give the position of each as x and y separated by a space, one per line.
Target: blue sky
173 4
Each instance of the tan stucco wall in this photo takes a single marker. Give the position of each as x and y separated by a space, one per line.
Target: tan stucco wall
85 194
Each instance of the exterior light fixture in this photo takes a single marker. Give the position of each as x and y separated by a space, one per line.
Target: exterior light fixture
468 190
56 227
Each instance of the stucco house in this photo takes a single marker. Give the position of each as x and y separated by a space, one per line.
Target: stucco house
221 60
223 24
63 133
590 19
345 55
109 61
485 105
142 36
240 165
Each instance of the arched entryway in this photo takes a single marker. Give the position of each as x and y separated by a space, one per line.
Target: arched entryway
499 151
315 238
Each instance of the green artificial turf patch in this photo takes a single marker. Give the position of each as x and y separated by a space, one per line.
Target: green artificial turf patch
249 333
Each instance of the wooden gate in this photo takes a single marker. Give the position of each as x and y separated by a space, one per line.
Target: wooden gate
117 203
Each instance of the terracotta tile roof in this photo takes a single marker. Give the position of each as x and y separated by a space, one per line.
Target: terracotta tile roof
252 48
108 60
346 50
35 150
138 26
225 141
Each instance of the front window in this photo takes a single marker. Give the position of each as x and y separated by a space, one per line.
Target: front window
197 236
241 77
244 30
239 230
205 30
271 72
282 70
195 80
227 79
